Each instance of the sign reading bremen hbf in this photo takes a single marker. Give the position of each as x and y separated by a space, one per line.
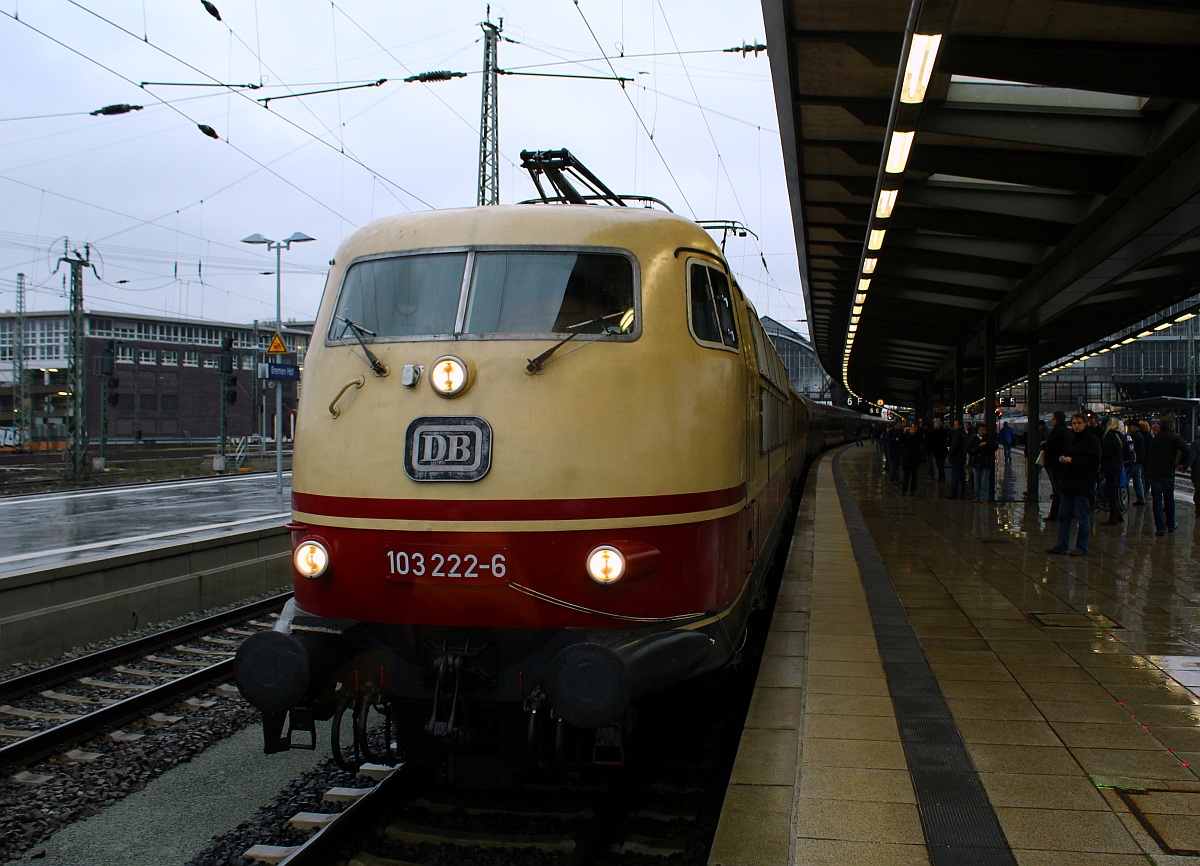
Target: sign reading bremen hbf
448 448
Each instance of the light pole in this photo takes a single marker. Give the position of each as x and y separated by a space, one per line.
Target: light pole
279 247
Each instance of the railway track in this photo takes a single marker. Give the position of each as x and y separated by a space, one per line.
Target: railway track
46 711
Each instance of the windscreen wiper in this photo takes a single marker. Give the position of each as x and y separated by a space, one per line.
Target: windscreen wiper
535 365
358 330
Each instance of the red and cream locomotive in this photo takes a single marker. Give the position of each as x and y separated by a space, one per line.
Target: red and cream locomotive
543 455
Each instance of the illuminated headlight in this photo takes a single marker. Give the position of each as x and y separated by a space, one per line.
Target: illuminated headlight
311 558
448 376
606 564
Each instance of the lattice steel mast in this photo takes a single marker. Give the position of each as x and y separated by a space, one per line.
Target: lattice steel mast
489 146
22 420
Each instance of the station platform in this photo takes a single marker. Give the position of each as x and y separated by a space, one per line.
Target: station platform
937 689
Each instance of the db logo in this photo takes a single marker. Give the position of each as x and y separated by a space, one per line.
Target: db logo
446 448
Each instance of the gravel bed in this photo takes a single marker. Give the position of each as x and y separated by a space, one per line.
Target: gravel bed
270 826
29 814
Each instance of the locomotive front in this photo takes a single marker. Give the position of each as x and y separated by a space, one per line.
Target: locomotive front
519 482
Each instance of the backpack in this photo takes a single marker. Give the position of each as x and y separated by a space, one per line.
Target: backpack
1128 452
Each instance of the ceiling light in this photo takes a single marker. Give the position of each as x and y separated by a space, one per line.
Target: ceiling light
1145 334
921 54
1185 317
898 152
887 201
863 285
876 240
856 310
860 298
1127 341
1163 326
869 265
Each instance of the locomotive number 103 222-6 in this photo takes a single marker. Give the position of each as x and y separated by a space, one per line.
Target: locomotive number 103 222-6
436 562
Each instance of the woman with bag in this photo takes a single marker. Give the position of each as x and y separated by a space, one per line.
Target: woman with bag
1112 464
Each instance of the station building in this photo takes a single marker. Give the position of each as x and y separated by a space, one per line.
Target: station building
165 383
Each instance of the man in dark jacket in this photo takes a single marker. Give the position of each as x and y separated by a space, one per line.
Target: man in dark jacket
1135 468
956 456
912 442
1080 461
937 441
1056 443
1166 450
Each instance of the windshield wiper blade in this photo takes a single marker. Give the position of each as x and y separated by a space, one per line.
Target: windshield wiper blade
535 365
358 330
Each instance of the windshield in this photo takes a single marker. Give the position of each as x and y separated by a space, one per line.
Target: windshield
509 293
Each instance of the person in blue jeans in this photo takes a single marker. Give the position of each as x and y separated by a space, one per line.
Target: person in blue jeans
1165 452
1081 463
982 454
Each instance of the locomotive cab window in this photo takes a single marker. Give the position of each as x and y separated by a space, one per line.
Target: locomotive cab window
509 293
710 307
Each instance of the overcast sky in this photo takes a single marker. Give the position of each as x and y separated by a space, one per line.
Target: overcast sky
164 206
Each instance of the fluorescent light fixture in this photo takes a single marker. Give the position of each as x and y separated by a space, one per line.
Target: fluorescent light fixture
863 285
887 201
1163 326
898 152
856 310
860 298
1127 341
1185 317
1102 351
922 52
876 240
869 265
1145 334
853 326
854 320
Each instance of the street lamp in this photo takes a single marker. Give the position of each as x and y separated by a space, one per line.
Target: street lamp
279 247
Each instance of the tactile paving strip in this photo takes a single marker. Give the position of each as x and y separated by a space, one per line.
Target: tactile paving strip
960 825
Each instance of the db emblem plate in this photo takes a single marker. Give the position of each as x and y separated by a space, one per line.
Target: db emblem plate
448 448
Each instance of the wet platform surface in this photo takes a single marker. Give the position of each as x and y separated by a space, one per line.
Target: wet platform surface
53 529
1069 732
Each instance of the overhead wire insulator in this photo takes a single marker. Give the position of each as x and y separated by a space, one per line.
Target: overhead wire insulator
211 9
122 108
745 48
436 75
207 130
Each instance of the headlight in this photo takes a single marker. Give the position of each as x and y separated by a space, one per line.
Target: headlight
311 558
448 376
606 564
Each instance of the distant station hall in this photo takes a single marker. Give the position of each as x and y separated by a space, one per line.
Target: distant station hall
938 689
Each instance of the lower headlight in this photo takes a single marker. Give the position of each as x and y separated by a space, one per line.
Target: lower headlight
311 558
606 564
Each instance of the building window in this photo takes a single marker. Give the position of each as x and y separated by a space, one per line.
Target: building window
191 359
170 402
210 362
147 356
247 362
170 359
124 354
148 402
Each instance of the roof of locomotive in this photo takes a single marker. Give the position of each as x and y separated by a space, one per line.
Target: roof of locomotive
525 225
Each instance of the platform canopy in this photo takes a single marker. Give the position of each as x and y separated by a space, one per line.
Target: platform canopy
1049 199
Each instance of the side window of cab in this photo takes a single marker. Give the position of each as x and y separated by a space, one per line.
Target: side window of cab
710 307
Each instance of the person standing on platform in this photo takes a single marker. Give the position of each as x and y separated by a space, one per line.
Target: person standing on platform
1056 445
1166 449
912 446
1112 460
1139 461
1006 439
956 456
938 440
1080 461
894 450
982 453
1192 465
858 434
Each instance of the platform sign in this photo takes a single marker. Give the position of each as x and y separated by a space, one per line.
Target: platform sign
279 372
277 347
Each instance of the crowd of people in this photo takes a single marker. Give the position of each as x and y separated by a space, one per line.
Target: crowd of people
1091 463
